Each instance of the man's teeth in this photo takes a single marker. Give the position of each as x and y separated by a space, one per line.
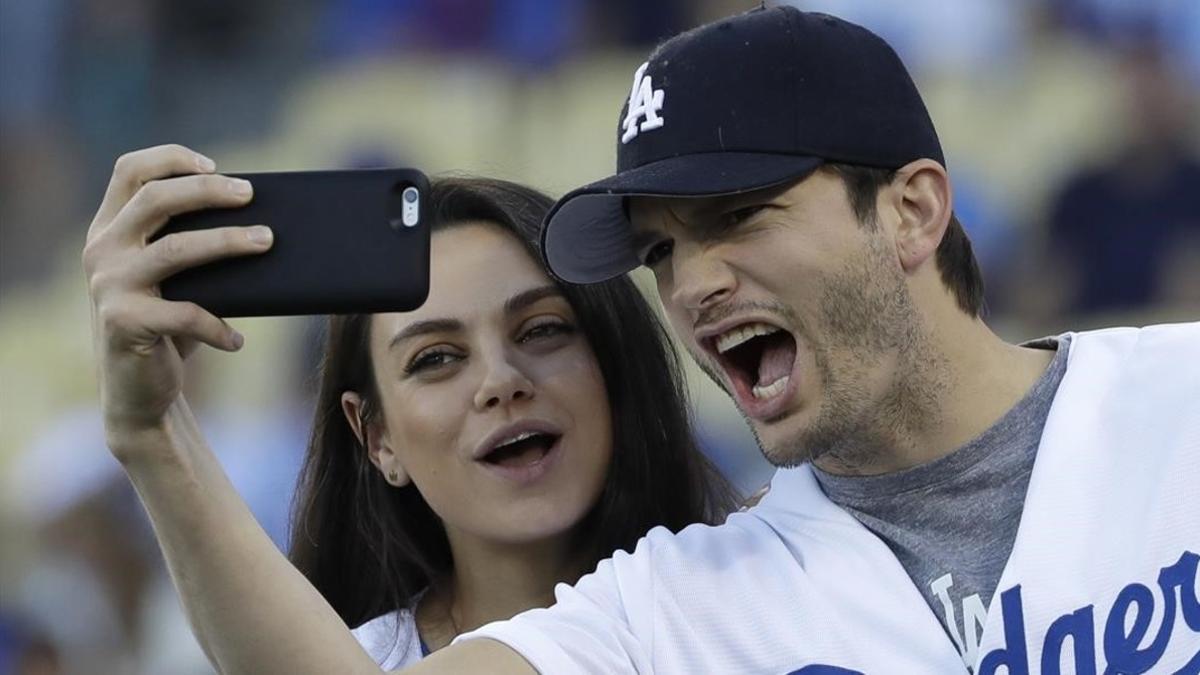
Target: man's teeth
774 389
741 334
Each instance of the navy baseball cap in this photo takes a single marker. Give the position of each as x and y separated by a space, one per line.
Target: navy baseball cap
748 102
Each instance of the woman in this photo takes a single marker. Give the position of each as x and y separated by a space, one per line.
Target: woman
466 456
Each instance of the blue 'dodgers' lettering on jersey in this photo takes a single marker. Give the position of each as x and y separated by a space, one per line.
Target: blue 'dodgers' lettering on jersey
1122 647
1121 641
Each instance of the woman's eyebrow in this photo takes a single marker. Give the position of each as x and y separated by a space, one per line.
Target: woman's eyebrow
424 328
516 303
524 299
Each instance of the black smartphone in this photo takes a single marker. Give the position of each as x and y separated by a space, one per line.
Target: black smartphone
346 242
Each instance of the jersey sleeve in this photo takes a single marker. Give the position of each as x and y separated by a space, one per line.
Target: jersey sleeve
595 626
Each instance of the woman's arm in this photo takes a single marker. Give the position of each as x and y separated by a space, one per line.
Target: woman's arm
251 610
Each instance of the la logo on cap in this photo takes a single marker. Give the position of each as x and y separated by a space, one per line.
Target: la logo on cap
644 101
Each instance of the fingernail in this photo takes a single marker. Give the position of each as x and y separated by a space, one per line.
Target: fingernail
260 234
238 340
240 187
205 164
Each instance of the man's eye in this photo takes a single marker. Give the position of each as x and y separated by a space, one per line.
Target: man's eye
658 253
738 216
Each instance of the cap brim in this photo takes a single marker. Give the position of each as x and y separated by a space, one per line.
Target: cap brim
586 236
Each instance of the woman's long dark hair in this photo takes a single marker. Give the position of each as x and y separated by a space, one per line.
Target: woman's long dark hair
371 548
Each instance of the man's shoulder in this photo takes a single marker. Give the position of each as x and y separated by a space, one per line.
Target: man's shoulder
1131 374
1166 339
742 533
1181 335
792 514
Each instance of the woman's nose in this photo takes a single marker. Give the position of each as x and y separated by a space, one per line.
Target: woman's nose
503 382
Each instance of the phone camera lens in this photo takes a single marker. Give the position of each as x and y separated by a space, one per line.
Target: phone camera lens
410 207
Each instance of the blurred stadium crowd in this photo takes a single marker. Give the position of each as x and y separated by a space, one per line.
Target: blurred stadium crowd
1070 128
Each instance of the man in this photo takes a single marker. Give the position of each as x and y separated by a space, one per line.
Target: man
946 502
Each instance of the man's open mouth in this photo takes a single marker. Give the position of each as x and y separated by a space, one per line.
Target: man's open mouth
758 359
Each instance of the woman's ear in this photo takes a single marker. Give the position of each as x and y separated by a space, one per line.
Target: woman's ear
373 438
924 203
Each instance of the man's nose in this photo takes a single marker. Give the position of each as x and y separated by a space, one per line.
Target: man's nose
701 278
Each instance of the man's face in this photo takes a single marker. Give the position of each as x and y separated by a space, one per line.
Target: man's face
800 312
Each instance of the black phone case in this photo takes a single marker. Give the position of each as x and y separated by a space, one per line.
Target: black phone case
340 247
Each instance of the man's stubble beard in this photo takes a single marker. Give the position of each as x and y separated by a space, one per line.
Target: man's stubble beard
867 317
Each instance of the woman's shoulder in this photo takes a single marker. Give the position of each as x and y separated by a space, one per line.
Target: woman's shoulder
391 639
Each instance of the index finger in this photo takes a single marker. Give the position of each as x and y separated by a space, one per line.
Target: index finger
134 169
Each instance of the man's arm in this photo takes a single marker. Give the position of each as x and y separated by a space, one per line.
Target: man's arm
250 609
472 657
589 629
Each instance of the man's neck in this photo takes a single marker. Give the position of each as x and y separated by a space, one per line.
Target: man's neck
980 378
988 378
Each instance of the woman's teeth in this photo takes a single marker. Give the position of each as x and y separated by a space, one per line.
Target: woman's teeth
516 439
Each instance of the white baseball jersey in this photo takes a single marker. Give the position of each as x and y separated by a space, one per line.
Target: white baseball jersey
1103 572
1102 576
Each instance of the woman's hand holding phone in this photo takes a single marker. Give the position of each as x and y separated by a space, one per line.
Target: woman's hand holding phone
141 339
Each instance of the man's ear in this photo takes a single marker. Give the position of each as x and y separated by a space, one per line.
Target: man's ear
924 204
373 438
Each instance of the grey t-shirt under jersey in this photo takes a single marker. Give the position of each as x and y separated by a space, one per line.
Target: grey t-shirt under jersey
952 522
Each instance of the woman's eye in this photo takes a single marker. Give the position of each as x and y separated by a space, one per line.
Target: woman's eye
547 330
430 360
658 253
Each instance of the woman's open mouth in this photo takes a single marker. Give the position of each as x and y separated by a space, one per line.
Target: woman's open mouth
522 455
759 361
